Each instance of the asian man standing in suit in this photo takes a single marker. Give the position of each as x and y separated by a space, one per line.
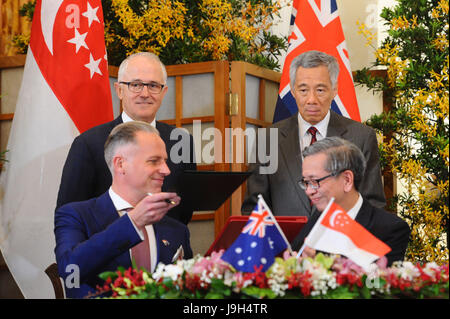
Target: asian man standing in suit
313 79
128 220
141 87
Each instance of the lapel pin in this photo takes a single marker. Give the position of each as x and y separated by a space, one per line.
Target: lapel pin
165 242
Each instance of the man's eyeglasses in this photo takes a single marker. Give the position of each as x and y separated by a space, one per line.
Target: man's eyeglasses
137 86
313 183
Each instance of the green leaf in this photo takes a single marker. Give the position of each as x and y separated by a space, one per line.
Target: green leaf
108 274
259 293
325 261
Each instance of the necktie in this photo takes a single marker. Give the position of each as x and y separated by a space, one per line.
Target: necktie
312 130
141 253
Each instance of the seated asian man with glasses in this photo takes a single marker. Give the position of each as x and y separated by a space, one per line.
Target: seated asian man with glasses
333 167
141 87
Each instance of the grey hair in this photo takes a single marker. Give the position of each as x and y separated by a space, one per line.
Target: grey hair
341 155
124 134
313 59
150 56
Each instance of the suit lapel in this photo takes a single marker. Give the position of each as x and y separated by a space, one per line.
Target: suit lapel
290 150
162 243
104 211
364 214
335 126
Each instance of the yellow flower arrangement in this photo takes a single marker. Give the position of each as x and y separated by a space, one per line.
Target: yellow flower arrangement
418 153
181 31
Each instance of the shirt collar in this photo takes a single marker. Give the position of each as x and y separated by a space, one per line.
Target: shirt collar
127 118
321 126
119 203
355 209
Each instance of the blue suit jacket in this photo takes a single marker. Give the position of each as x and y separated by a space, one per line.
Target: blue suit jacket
90 235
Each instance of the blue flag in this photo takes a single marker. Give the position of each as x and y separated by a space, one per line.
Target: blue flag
258 244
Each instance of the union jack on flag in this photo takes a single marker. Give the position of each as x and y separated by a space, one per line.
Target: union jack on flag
258 221
260 241
315 25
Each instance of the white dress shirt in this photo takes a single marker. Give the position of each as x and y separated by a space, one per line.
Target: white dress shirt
353 212
305 137
126 118
121 206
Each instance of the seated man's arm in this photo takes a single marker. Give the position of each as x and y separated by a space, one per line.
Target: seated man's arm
91 251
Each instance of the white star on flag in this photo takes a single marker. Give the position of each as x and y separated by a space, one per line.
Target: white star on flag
79 40
91 14
93 65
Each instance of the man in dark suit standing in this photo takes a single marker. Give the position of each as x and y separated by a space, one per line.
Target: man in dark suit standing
334 167
127 221
141 88
313 77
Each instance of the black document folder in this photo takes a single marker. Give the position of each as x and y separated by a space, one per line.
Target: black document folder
207 190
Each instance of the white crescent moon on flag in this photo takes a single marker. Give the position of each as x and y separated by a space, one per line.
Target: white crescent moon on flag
49 9
333 216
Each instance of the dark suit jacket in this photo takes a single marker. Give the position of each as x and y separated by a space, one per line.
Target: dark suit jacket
92 236
281 190
85 174
387 227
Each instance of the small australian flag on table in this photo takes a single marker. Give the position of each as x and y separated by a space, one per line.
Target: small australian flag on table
260 241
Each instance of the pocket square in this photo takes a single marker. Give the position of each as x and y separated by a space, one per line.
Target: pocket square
179 254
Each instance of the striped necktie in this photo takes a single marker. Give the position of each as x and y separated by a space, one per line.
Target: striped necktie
312 130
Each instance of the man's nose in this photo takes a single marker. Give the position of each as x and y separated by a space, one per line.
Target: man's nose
164 169
311 97
145 92
310 190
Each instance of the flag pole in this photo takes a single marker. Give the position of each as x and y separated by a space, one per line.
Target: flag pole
276 223
301 250
322 215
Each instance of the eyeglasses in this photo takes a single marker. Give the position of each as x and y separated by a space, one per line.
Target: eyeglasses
314 183
137 86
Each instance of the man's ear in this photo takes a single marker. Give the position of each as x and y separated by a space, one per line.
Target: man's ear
118 162
118 89
335 90
348 177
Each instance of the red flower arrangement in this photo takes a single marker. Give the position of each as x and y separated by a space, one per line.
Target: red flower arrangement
289 277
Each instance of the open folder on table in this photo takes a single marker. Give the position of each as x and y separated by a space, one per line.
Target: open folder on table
207 190
290 225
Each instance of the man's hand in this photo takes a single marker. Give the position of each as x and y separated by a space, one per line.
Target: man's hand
309 252
151 209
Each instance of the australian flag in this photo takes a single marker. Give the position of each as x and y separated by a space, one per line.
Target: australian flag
258 244
315 25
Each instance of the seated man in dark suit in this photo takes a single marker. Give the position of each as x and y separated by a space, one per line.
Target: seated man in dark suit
141 87
314 84
128 220
334 167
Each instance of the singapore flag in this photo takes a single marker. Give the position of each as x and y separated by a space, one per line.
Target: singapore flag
65 91
337 233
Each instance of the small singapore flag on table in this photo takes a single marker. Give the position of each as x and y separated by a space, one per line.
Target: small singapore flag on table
336 232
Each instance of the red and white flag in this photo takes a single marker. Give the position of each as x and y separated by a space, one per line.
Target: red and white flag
315 25
65 90
336 232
